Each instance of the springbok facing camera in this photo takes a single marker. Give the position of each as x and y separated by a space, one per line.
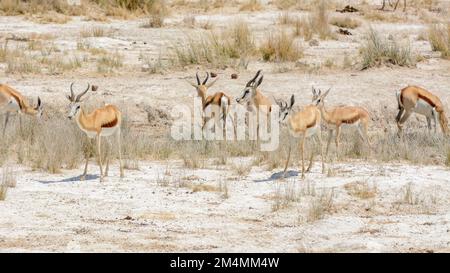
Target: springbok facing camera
413 99
218 99
303 124
11 101
102 122
255 99
342 115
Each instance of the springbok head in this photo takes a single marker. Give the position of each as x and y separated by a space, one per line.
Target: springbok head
202 87
285 108
75 101
319 97
250 88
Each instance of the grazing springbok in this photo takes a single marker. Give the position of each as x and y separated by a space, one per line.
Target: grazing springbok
219 99
303 124
102 122
396 4
413 99
11 101
342 116
255 100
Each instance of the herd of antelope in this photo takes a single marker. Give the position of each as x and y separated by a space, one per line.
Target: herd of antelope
304 124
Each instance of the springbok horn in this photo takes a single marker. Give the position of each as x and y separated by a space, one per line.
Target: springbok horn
254 78
72 95
83 93
207 78
198 78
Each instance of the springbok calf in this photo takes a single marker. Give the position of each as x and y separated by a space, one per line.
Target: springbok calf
102 122
255 100
413 99
340 116
11 101
303 124
219 99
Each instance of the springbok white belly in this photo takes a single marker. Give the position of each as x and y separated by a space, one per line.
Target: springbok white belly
11 106
313 130
424 108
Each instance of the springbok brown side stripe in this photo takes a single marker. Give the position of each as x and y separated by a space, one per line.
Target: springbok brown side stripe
110 124
19 102
427 100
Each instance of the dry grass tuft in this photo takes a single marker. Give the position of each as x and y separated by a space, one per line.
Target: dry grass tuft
3 192
109 63
251 5
345 22
280 47
377 51
361 190
439 38
320 205
232 47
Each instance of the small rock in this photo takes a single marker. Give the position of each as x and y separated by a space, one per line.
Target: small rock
128 218
213 75
234 76
94 87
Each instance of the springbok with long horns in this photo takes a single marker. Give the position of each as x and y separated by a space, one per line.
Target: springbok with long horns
255 99
303 124
413 99
102 122
11 101
340 116
219 100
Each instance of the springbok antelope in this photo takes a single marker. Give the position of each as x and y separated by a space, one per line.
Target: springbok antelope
218 99
303 124
255 100
11 101
413 99
340 116
102 122
395 6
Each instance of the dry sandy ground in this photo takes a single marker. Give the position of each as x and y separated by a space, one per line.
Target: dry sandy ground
155 208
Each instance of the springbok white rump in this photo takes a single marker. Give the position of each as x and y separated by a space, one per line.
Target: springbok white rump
303 124
341 116
219 100
11 101
413 99
102 122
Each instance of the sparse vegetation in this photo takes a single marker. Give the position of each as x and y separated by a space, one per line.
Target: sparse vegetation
361 190
109 63
280 47
320 205
251 5
439 38
345 22
377 51
232 47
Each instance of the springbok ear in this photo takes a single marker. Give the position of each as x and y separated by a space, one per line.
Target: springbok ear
212 83
313 90
292 101
192 83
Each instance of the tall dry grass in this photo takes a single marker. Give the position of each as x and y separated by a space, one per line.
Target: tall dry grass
439 38
280 47
231 47
377 50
